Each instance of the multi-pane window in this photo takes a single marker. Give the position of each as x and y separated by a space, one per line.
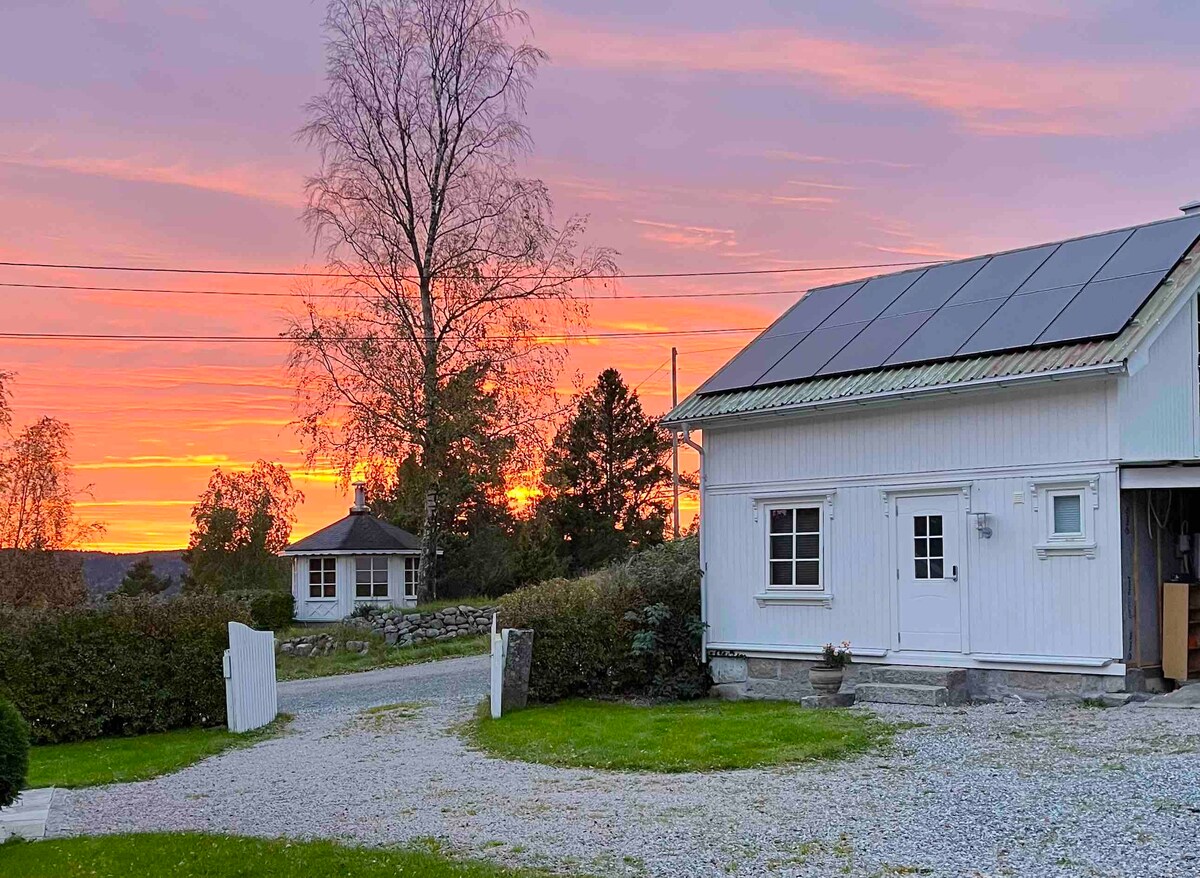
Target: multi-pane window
322 577
371 577
1066 515
929 559
411 566
795 547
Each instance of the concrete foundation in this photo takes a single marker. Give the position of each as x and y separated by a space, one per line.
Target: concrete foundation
737 677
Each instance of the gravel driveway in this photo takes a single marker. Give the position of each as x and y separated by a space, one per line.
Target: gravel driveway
996 790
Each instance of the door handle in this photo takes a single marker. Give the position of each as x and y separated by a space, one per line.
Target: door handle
954 573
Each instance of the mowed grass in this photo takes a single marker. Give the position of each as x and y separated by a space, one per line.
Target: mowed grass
188 855
690 736
120 760
380 655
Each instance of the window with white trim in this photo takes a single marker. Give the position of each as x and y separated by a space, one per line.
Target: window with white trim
370 577
1066 510
411 567
794 547
322 578
1066 515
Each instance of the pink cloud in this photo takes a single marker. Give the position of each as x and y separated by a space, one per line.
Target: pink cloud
983 92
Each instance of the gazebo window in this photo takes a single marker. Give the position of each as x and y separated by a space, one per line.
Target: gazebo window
322 578
371 577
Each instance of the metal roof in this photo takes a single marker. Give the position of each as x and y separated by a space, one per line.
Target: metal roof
357 532
951 375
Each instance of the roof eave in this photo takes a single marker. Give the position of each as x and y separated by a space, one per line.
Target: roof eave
900 395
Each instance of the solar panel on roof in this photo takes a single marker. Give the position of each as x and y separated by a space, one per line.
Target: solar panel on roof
1102 308
1002 275
945 332
1050 294
817 349
872 299
1075 262
876 343
748 366
1020 321
810 311
934 288
1154 247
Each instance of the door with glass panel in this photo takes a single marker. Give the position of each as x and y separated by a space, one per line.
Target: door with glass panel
929 572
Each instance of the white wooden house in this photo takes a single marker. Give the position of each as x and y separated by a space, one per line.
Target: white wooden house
989 465
356 560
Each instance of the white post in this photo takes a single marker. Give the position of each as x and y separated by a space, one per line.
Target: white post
497 689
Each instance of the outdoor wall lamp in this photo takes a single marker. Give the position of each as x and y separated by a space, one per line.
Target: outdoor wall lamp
981 525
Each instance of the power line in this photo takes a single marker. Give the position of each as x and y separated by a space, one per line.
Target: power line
281 295
539 277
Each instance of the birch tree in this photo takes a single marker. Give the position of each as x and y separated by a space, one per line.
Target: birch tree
449 261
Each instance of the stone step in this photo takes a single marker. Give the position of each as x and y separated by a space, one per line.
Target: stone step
951 678
901 693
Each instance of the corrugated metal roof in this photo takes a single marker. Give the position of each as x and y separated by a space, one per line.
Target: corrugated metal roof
947 374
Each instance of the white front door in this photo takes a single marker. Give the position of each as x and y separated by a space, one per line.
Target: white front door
929 572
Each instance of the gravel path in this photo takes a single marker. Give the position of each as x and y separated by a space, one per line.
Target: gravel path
996 790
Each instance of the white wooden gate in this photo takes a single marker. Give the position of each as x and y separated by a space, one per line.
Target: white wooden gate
251 699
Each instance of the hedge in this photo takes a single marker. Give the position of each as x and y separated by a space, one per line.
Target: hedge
129 667
14 753
631 629
270 610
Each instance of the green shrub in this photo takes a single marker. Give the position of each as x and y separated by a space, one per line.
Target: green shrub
632 629
129 667
581 639
270 609
14 753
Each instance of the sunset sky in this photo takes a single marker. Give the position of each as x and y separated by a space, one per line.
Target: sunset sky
699 136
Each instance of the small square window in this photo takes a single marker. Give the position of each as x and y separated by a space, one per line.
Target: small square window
1067 515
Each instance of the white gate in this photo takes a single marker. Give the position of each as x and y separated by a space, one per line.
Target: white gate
251 699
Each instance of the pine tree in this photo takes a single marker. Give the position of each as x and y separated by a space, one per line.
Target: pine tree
608 477
140 579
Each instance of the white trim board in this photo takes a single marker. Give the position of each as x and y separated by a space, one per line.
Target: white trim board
1160 477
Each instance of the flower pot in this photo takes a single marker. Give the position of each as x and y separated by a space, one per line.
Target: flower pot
826 681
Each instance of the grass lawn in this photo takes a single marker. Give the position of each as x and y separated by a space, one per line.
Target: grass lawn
118 760
214 856
688 736
380 655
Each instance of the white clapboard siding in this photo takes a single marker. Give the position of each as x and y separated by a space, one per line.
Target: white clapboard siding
993 447
251 698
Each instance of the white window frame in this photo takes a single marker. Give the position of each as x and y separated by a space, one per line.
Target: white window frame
412 566
1051 543
820 594
328 566
374 562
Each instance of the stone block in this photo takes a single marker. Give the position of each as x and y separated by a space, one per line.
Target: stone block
763 669
794 669
728 669
902 693
514 693
841 699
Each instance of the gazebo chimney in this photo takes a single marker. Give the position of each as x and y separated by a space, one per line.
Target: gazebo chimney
360 499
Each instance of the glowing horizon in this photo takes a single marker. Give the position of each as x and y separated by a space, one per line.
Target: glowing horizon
698 137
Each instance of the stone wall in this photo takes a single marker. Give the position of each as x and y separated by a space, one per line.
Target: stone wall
735 677
396 626
319 644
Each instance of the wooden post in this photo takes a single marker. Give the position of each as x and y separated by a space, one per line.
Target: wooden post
675 445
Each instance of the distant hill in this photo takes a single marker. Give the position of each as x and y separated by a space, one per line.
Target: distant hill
104 571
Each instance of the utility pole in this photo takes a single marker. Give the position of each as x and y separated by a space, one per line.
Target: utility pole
675 443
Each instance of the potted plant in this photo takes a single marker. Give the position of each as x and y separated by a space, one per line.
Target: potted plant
826 675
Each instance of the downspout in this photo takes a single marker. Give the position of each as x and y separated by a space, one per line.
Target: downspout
699 449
